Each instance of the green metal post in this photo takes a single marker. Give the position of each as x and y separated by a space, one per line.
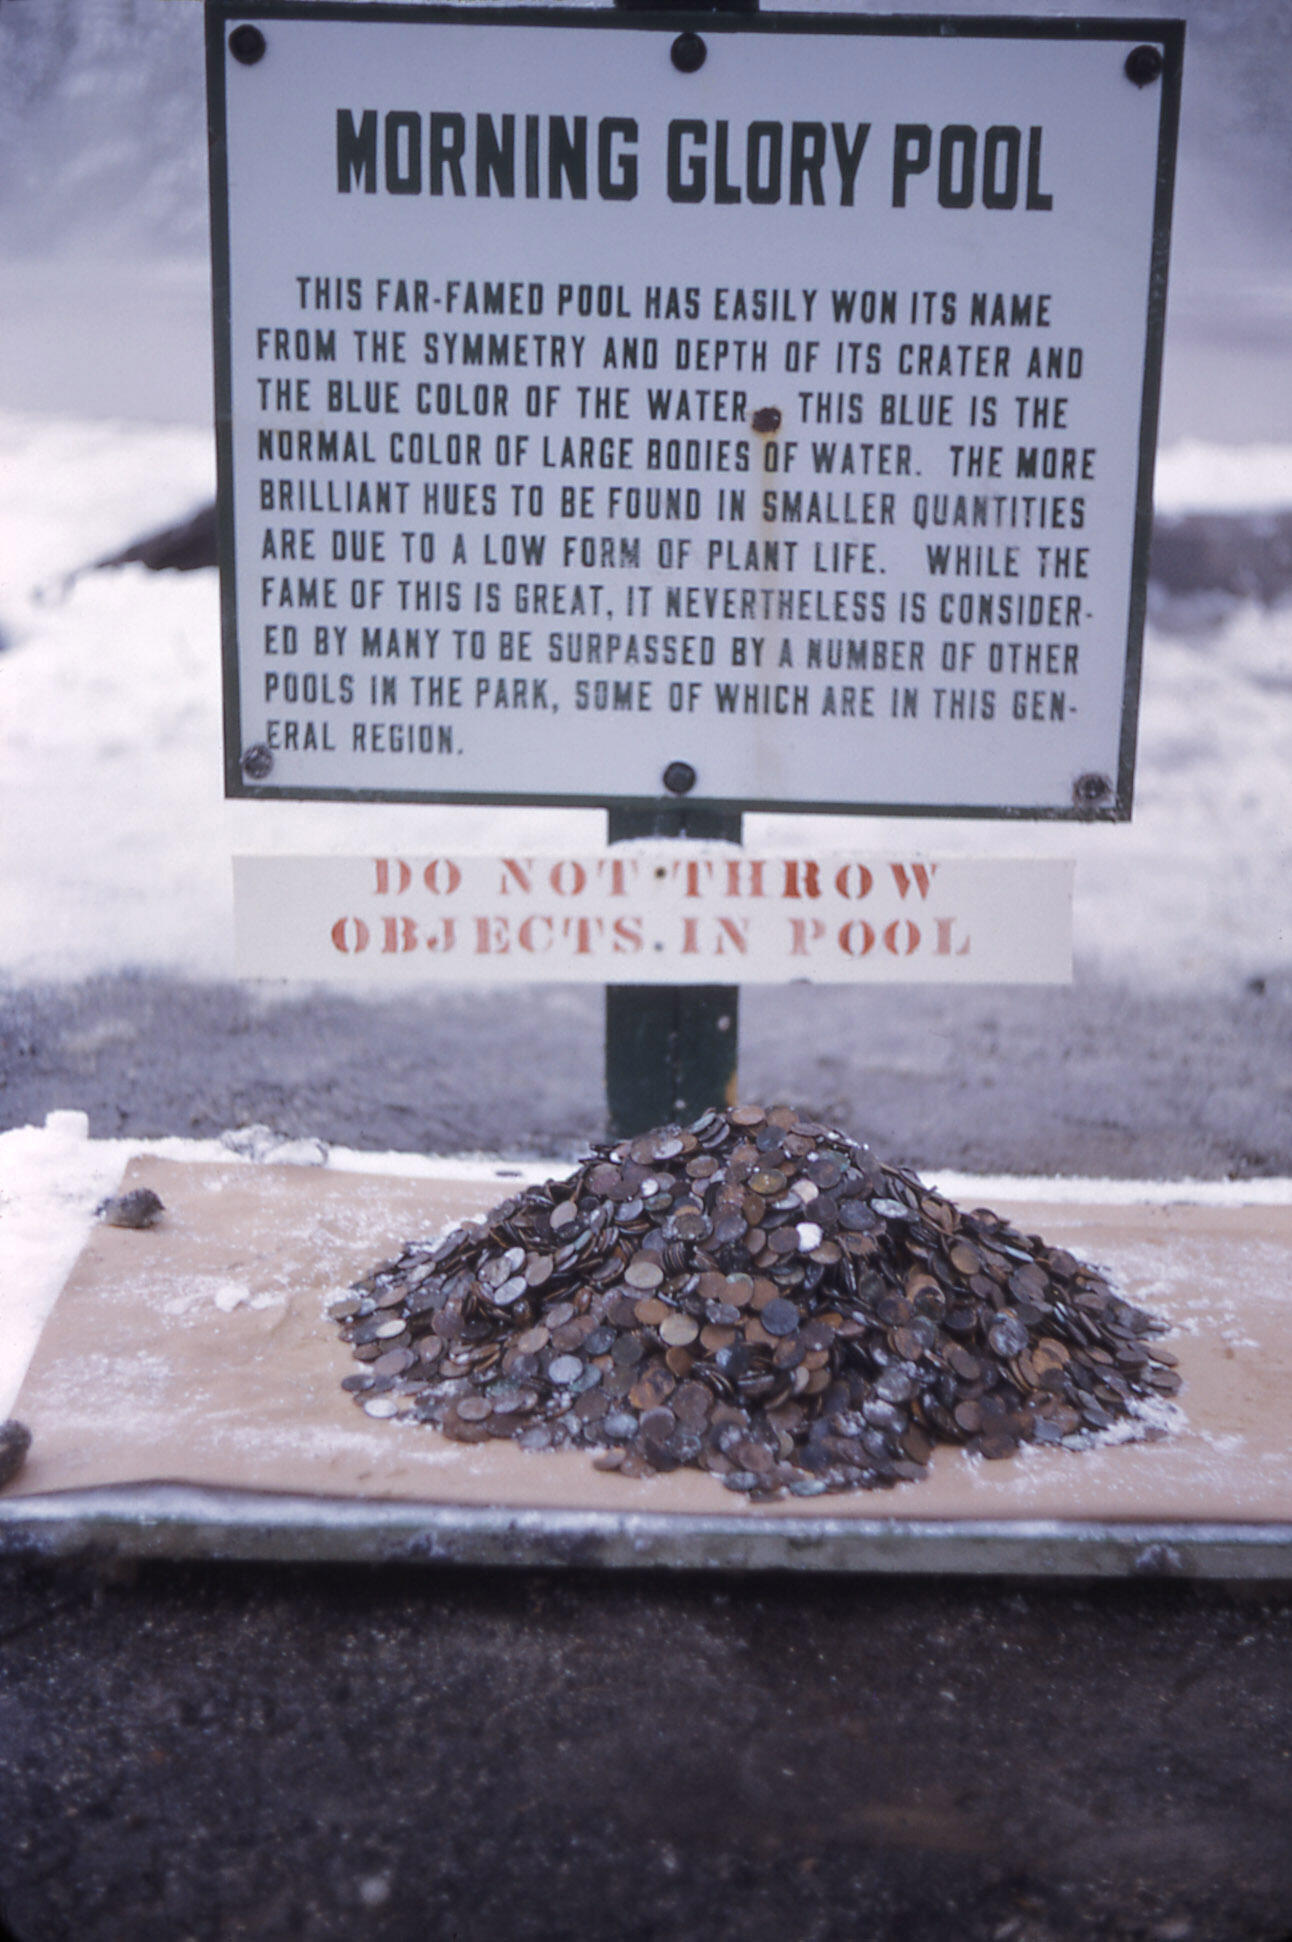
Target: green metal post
671 1050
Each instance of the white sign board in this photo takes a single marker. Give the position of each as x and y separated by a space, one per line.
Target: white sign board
652 913
786 418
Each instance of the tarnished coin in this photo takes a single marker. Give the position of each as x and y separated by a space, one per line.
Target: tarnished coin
858 1217
393 1362
654 1386
1007 1335
474 1409
780 1317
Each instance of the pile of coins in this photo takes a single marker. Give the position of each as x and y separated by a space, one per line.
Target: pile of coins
757 1296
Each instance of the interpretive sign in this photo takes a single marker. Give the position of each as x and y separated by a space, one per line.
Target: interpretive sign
755 407
643 913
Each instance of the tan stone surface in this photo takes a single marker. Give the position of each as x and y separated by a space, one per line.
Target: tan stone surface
199 1352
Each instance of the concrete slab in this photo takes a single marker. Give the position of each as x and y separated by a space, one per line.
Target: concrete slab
184 1400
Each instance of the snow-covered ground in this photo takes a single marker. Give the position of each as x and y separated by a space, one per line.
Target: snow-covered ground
116 840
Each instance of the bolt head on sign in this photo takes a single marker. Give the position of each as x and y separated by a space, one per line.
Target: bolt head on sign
588 390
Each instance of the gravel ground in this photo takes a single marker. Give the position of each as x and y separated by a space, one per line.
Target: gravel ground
471 1756
1092 1079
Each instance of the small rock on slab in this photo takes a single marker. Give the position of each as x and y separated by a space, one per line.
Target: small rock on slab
142 1208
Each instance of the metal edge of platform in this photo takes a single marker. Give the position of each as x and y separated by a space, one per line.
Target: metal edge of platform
180 1523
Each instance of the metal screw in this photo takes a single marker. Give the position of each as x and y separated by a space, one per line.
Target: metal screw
1090 789
679 778
766 419
257 762
247 44
1144 64
689 53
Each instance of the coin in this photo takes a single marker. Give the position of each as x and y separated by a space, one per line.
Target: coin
393 1362
654 1385
1007 1335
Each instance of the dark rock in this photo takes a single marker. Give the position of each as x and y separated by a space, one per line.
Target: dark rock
15 1441
142 1208
174 549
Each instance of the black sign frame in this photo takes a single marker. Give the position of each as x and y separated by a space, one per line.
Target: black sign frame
1094 798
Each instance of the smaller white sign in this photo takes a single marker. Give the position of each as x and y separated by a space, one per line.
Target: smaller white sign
654 913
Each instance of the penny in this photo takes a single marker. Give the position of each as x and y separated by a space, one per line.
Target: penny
678 1330
1007 1335
780 1317
689 1224
393 1362
564 1369
654 1386
657 1425
1048 1355
857 1217
643 1271
691 1404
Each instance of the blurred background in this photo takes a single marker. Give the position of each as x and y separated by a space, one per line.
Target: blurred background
103 223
